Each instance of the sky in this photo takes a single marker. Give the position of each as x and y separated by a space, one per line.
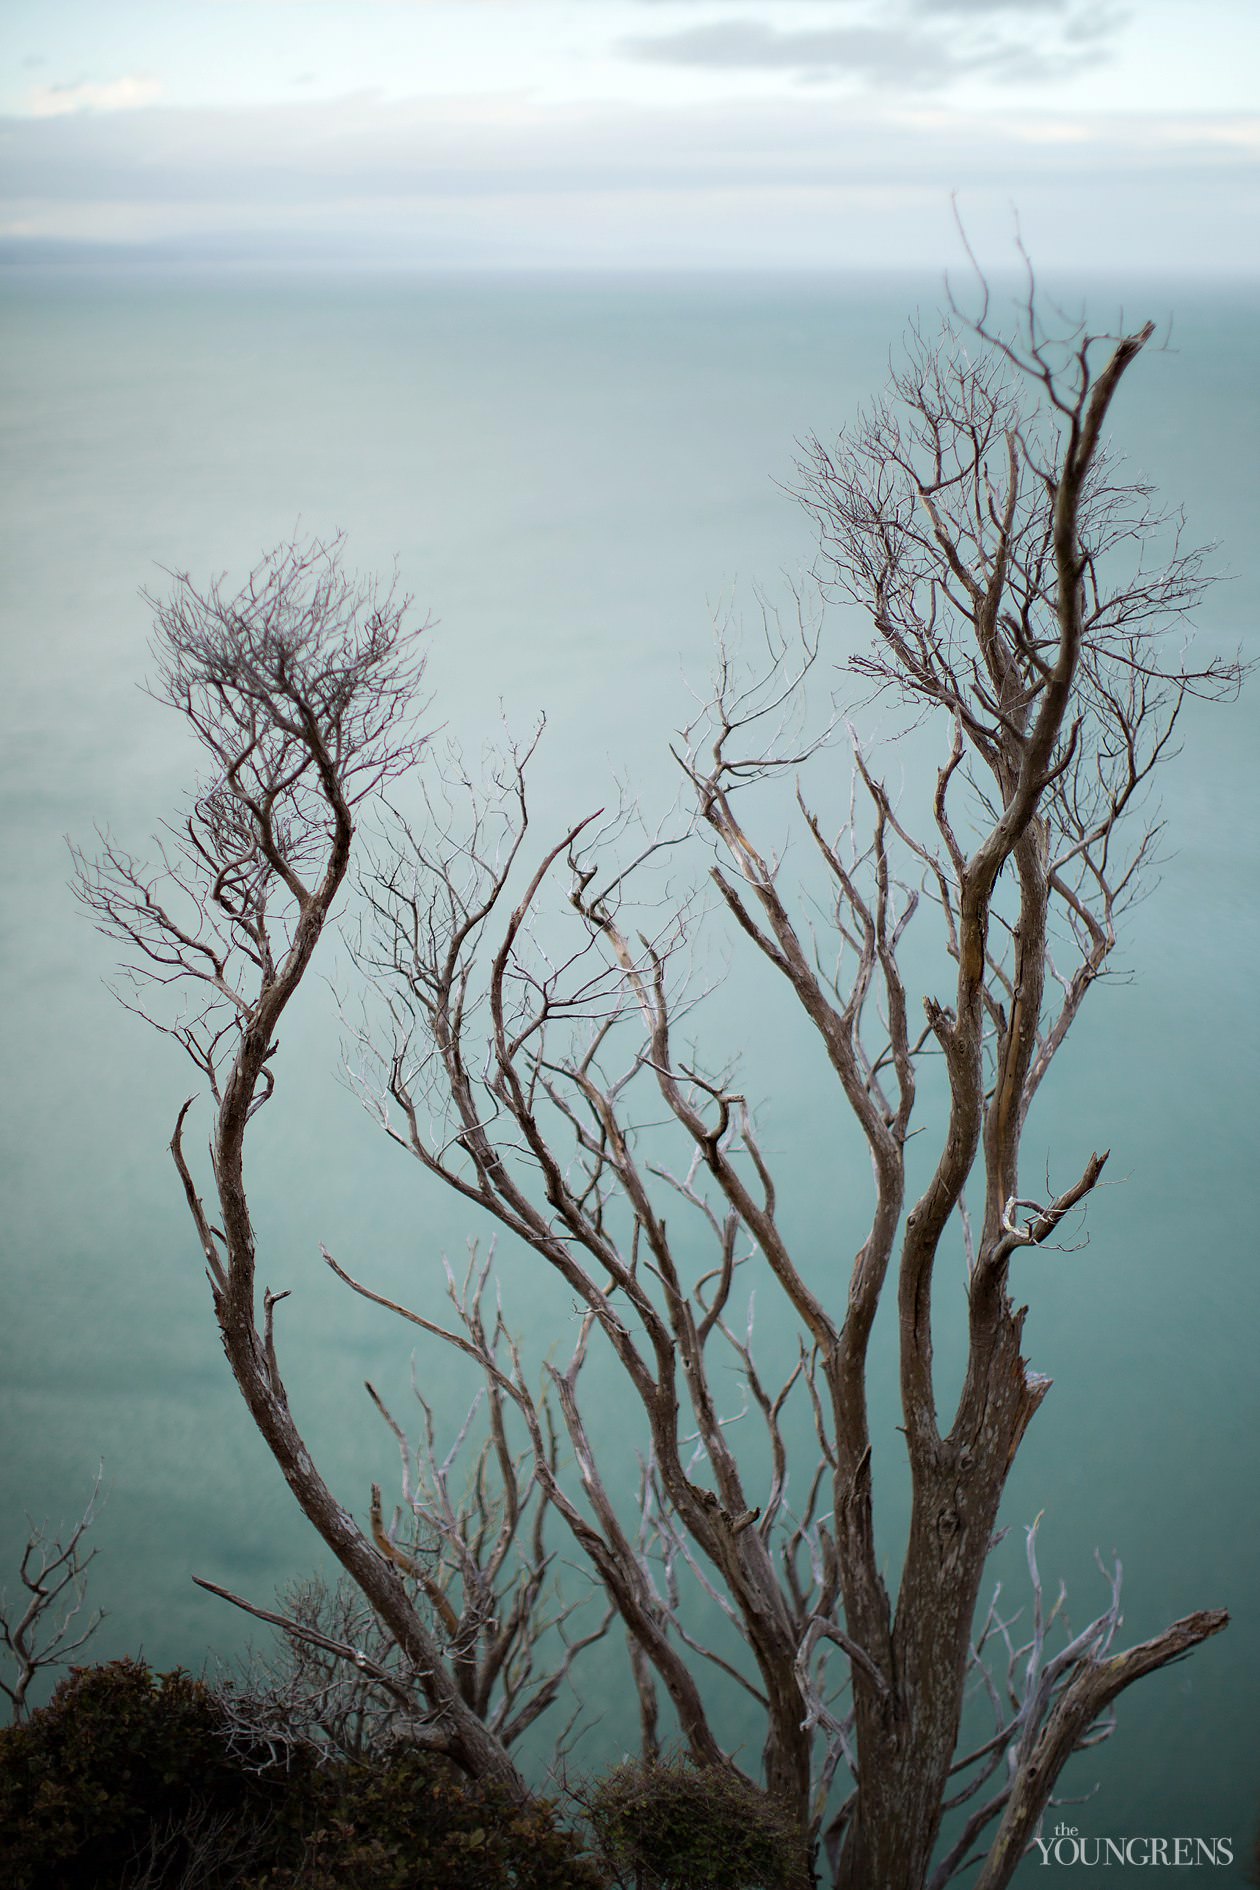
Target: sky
752 134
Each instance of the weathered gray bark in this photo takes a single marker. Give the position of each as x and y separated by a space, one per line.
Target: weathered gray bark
1092 1689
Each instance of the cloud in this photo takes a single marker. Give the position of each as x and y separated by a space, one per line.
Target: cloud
1009 7
915 44
1098 24
93 95
872 53
363 3
788 182
953 6
904 55
354 149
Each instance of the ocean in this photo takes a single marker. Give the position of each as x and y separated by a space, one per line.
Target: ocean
576 478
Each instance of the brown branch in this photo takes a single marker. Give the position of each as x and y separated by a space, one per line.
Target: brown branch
1091 1691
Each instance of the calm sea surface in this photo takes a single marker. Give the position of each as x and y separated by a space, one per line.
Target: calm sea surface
574 476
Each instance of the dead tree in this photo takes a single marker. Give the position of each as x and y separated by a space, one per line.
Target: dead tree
1006 570
47 1623
301 691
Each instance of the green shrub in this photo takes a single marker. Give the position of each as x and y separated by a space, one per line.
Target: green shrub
672 1825
125 1781
124 1771
411 1821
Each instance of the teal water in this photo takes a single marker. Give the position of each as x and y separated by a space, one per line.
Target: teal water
574 477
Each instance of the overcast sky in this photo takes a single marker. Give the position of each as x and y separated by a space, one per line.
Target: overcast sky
753 133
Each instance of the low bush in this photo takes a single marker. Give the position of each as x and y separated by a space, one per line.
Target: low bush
126 1781
412 1822
671 1825
118 1764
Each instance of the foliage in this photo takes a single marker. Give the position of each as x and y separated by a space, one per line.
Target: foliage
129 1778
693 1827
413 1820
118 1754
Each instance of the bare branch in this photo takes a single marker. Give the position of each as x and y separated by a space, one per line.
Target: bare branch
45 1628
